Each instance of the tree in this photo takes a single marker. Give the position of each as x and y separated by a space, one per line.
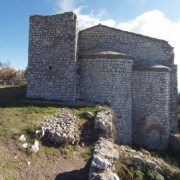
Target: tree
19 76
6 71
25 72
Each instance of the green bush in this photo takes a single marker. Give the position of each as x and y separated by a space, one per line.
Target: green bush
137 173
169 174
152 174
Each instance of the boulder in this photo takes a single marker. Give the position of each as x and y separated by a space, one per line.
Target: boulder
38 131
34 148
89 114
106 176
150 163
103 121
100 163
25 145
104 159
22 138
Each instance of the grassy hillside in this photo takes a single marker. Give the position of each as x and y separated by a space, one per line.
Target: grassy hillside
52 161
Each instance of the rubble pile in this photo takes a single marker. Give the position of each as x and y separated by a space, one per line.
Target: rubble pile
61 127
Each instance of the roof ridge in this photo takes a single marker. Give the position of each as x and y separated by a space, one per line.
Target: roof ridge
123 31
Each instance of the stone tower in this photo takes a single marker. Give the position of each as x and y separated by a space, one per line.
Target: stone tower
52 57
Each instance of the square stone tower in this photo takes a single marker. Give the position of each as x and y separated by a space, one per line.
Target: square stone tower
52 57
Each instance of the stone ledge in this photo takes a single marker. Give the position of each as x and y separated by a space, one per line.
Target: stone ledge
158 68
105 54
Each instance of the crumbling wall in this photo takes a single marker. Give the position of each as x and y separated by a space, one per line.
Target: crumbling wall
151 112
105 151
52 55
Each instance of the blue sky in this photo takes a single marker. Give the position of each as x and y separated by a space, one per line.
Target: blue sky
156 18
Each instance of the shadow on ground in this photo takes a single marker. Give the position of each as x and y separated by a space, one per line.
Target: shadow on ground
16 97
82 174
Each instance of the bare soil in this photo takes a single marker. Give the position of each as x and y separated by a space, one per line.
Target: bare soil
42 167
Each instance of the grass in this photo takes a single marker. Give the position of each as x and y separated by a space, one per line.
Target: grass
81 113
18 117
12 91
10 178
23 118
136 173
9 166
11 86
88 154
29 132
171 172
68 150
49 151
170 157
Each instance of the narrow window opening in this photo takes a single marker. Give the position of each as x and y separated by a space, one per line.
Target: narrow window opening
50 67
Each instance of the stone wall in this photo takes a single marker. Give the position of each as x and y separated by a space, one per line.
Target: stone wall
109 81
52 55
151 101
143 49
173 99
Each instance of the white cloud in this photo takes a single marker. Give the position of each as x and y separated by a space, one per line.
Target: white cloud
155 24
84 20
88 20
66 5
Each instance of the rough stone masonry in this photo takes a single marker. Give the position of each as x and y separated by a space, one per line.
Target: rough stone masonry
132 73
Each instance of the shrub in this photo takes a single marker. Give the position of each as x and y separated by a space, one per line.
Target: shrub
152 174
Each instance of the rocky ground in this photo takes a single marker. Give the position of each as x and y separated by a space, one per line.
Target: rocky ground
144 165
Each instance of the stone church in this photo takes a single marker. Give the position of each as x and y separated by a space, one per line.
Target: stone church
132 73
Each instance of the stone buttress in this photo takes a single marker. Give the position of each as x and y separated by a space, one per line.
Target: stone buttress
106 78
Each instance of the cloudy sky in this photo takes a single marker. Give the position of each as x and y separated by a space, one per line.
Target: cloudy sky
156 18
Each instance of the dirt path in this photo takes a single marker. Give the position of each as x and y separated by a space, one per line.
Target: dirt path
13 165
